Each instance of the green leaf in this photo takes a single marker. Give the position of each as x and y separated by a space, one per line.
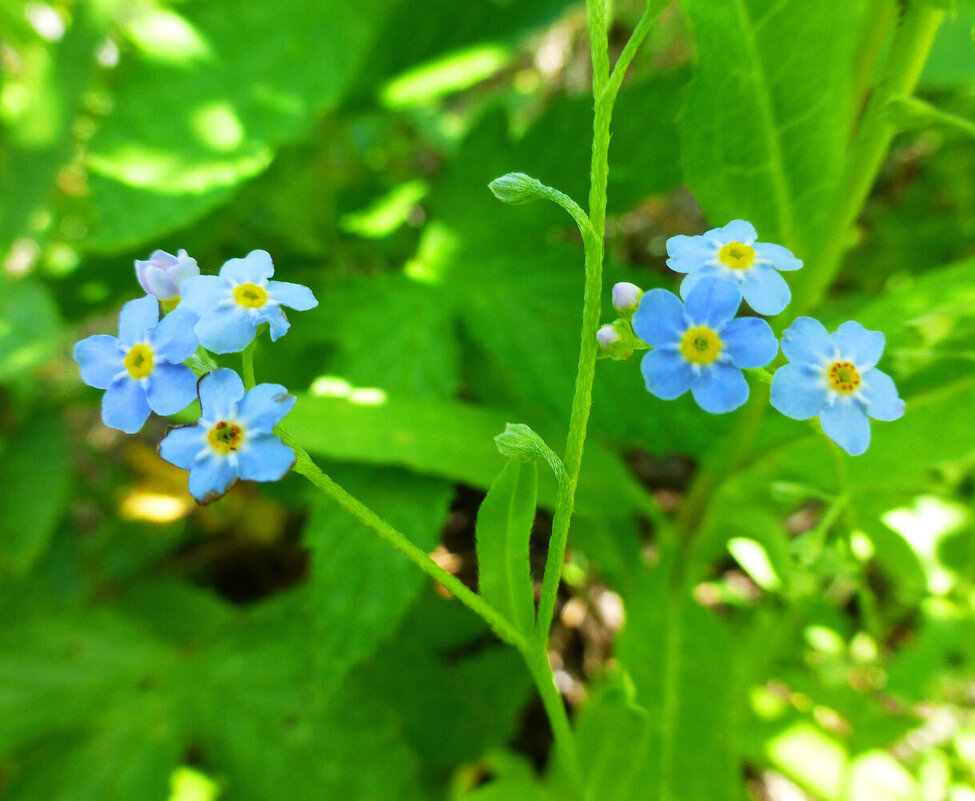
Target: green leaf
767 116
504 525
40 139
669 646
448 439
457 691
34 470
30 327
205 99
360 586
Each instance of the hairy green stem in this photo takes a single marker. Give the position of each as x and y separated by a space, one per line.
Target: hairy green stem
605 89
305 466
534 653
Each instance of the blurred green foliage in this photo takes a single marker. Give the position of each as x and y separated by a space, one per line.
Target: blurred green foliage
812 639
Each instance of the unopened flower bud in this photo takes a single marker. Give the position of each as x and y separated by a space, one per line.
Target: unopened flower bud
515 188
616 340
626 298
607 336
162 273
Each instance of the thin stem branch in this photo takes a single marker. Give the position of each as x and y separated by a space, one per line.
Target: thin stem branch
247 364
305 466
650 14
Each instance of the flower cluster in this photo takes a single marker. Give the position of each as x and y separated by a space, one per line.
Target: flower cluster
153 366
695 342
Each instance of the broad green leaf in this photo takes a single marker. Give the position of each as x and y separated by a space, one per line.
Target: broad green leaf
670 646
360 586
30 327
504 526
38 136
448 439
612 736
458 692
62 669
951 62
206 97
767 116
34 474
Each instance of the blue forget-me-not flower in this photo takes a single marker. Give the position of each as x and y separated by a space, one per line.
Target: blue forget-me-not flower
232 439
700 345
733 253
141 369
232 305
835 377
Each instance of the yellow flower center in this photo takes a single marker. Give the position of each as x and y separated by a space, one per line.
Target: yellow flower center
700 345
225 437
138 361
843 377
736 255
170 304
250 295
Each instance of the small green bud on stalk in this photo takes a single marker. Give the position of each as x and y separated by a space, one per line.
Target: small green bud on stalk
516 188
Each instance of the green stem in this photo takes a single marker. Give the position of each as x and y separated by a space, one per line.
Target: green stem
588 350
541 671
307 468
650 14
247 364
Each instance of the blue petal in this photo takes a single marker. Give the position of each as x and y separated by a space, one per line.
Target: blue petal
719 388
846 423
136 318
264 406
880 394
204 293
659 319
277 321
182 445
779 257
211 476
252 269
265 458
713 302
765 290
220 392
174 340
294 296
709 271
862 346
101 360
666 373
738 231
227 329
689 253
798 392
806 341
170 388
750 342
124 405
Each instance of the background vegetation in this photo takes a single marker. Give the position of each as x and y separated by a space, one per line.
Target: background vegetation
813 638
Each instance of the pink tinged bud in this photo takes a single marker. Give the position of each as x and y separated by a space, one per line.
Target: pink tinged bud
626 297
607 336
162 273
